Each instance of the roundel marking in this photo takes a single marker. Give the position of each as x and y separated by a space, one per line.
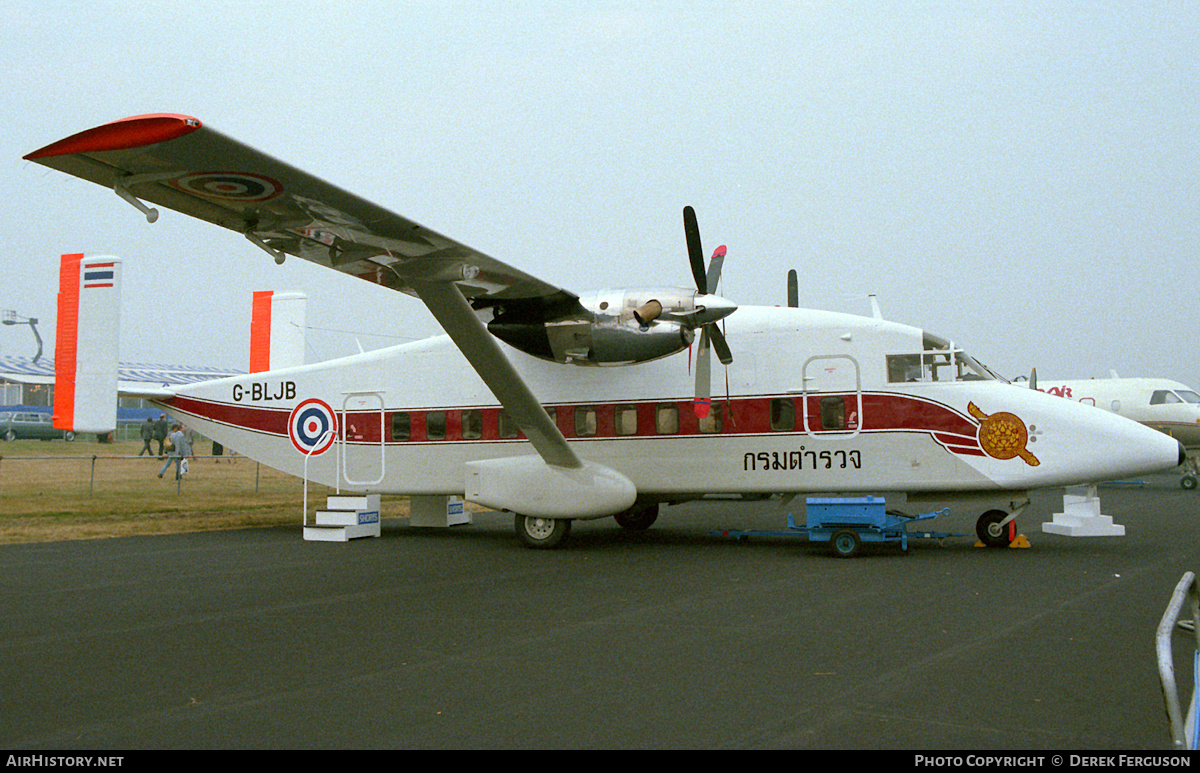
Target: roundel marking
308 424
229 186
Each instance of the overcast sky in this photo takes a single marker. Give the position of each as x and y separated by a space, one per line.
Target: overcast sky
1022 178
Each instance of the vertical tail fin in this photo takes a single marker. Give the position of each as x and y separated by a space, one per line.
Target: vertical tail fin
87 343
277 330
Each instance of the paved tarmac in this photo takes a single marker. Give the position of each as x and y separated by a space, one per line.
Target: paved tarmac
676 638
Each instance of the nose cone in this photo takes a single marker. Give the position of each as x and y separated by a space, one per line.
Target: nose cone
710 308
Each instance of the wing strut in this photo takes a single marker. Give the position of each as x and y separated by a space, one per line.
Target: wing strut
472 338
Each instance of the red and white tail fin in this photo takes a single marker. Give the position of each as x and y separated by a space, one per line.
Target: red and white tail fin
277 330
86 344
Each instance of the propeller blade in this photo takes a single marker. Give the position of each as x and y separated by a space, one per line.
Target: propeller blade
714 268
718 342
691 230
703 403
793 289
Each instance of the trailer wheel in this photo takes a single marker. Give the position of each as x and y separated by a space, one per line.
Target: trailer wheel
541 533
845 543
989 530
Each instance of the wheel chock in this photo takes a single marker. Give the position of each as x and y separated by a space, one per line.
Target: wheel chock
1020 542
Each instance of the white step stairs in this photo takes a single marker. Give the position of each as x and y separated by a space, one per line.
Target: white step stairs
346 517
1081 516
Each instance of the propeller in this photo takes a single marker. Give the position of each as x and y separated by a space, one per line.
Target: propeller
710 335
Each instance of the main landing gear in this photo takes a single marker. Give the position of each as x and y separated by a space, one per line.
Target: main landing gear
542 533
637 518
546 533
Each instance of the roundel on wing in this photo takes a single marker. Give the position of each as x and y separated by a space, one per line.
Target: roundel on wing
312 427
229 186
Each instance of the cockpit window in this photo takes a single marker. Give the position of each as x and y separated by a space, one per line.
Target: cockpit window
1188 396
1164 397
939 362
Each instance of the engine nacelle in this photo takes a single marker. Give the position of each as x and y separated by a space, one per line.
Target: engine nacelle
613 328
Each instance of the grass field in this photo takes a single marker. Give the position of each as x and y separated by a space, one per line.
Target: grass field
51 491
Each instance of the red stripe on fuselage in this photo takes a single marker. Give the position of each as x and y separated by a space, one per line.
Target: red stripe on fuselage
742 416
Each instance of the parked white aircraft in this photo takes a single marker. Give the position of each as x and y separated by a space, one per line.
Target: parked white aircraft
1167 406
510 412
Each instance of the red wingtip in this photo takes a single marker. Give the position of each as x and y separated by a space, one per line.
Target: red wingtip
134 132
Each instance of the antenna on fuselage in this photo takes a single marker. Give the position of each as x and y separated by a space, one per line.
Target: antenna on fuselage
793 289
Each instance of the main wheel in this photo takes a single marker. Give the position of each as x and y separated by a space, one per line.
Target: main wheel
990 531
845 544
637 518
541 533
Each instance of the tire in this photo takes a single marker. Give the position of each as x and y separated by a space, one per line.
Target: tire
989 530
10 436
1188 483
845 544
68 436
637 518
541 533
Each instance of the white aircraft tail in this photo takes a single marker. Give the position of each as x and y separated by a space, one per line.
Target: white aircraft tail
87 343
277 330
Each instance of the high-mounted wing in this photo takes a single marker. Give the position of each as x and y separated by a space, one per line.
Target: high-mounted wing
177 162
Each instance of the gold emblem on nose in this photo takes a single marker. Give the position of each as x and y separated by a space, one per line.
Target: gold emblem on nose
1003 435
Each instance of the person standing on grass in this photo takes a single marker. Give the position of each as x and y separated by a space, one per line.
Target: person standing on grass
160 432
147 436
180 450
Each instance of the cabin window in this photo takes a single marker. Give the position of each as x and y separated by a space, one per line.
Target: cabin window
625 420
508 425
783 414
472 424
833 413
585 421
435 425
1164 397
714 420
401 426
666 419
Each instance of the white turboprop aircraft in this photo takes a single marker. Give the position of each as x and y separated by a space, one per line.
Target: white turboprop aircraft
1167 406
507 411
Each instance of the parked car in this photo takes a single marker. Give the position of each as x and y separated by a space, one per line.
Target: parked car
28 425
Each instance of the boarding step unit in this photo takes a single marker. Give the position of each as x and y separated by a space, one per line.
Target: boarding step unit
346 517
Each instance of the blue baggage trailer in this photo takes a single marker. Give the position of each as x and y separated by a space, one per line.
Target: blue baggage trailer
847 523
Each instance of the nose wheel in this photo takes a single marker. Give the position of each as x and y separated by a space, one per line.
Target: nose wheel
996 529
